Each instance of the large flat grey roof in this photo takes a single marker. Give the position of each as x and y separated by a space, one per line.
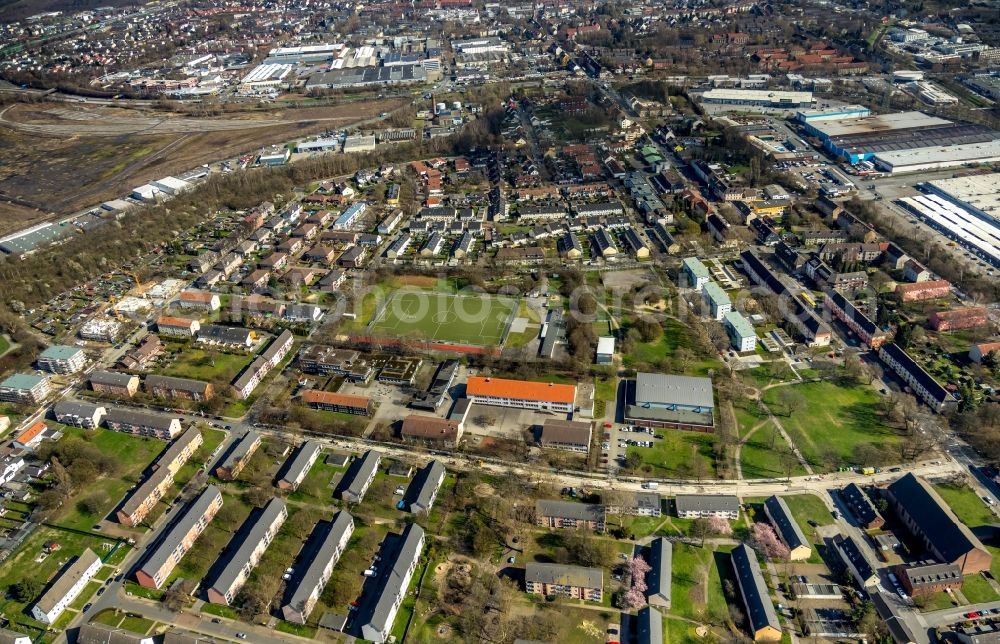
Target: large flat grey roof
667 389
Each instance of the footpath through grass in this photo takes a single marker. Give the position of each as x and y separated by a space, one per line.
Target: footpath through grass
834 423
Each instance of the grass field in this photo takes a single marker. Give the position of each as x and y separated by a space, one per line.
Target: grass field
423 315
762 455
207 365
135 453
834 422
674 455
971 510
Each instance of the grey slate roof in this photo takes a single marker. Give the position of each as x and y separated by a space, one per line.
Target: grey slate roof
407 552
139 418
239 452
668 389
67 579
756 601
111 378
569 510
175 535
707 503
784 522
363 470
179 445
658 579
933 517
178 384
649 626
426 483
240 557
310 578
299 462
73 408
563 575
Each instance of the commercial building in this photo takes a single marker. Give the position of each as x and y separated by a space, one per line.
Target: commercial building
787 528
696 273
179 538
777 99
567 514
431 429
928 159
923 385
264 78
566 434
522 394
826 114
24 389
79 414
959 223
398 560
762 621
368 77
344 403
861 507
142 423
659 555
359 477
859 323
173 387
424 487
702 506
559 580
62 359
240 559
114 383
856 562
239 455
717 300
68 585
929 577
298 466
932 523
662 400
742 337
325 546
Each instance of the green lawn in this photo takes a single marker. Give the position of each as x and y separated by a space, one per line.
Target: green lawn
137 624
674 454
763 456
977 590
475 320
691 567
22 565
972 511
4 344
134 453
219 610
85 595
201 364
675 336
834 422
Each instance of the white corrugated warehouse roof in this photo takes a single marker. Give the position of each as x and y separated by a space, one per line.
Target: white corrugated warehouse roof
981 191
879 123
957 222
757 95
951 154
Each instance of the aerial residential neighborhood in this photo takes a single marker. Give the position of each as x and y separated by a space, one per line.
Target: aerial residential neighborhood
453 321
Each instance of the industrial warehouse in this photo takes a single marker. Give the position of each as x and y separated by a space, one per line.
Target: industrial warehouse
867 137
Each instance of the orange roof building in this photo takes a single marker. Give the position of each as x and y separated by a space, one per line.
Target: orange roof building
30 436
345 403
523 394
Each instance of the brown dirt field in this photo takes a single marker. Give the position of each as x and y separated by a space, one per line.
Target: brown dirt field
420 281
63 174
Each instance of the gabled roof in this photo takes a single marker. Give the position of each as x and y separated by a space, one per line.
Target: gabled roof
569 510
784 522
563 575
933 517
659 577
756 601
520 389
